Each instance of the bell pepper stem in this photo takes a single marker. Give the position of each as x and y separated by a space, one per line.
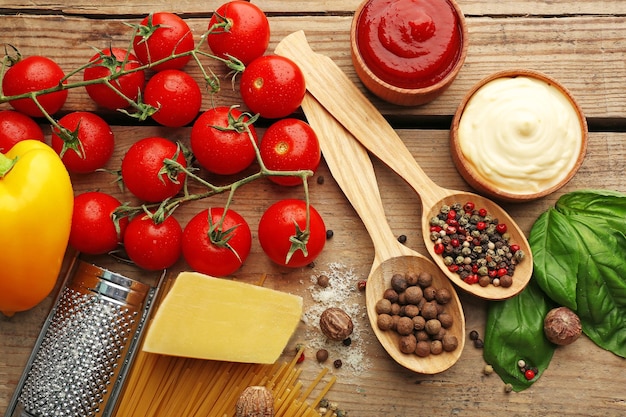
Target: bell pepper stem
6 164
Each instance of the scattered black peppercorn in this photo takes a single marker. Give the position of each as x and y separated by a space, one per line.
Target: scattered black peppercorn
402 238
478 343
320 179
337 363
329 234
473 335
347 341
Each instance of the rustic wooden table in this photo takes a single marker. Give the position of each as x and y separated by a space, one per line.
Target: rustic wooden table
580 43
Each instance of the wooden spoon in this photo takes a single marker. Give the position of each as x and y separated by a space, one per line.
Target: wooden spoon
344 101
351 167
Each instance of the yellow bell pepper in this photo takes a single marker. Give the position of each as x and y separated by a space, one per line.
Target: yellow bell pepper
36 203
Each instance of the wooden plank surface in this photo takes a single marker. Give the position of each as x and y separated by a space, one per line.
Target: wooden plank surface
581 43
327 7
586 54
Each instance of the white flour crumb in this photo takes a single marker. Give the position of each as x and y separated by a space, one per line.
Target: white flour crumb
341 292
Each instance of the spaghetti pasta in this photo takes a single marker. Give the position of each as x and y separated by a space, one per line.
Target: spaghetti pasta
163 386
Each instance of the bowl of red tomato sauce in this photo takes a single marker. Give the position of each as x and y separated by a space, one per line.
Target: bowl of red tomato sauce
408 52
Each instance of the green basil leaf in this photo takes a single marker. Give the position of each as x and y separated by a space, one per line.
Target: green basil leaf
601 291
606 204
514 331
556 253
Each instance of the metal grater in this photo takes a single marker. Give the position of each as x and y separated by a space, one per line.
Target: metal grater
85 348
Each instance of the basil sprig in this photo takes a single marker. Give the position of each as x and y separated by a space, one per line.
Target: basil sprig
579 252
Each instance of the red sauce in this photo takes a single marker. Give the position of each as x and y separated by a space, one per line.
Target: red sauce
409 43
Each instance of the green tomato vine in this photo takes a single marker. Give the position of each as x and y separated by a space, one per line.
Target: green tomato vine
142 111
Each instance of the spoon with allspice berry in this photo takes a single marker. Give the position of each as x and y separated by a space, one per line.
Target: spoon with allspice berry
429 335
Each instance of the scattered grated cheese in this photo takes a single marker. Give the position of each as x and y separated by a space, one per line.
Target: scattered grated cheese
341 292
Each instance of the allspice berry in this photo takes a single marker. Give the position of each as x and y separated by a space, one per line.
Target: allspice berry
449 342
443 296
429 310
255 401
383 306
384 322
419 323
562 326
398 283
424 279
422 349
408 343
391 295
321 355
413 295
446 320
323 281
404 326
336 324
506 281
433 326
436 347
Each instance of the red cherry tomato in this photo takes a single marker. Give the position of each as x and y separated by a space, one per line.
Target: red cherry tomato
246 33
159 36
33 74
96 146
142 169
290 145
93 229
272 86
153 245
110 61
223 152
176 95
277 227
214 250
15 127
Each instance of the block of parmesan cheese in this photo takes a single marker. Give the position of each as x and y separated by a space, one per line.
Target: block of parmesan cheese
220 319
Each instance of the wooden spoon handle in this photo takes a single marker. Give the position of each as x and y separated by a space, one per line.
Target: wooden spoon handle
344 101
352 168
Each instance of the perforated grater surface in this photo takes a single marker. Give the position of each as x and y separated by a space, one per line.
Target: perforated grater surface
85 348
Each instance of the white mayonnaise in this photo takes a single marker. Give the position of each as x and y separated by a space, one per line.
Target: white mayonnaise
520 134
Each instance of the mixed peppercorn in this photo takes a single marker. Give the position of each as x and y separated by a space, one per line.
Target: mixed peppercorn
475 245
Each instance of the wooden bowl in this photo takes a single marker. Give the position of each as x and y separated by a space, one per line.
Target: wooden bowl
517 176
406 96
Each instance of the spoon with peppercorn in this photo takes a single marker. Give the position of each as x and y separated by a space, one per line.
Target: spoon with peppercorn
472 239
428 335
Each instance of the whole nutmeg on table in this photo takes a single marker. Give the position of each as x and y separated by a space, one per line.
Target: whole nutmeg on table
336 324
255 401
562 326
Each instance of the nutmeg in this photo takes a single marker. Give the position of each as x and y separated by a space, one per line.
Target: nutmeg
336 324
562 326
255 401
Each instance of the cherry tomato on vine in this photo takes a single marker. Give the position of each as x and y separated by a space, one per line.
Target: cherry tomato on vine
290 145
35 73
272 86
160 35
91 145
214 248
278 225
176 95
93 228
144 172
153 244
110 61
223 151
15 127
245 34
